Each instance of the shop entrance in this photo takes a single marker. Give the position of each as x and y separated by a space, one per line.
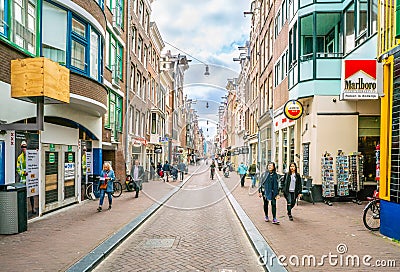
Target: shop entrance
60 175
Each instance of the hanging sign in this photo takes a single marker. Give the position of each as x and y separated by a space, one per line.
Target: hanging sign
359 80
293 109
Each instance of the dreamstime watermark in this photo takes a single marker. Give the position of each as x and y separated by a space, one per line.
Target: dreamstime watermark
340 258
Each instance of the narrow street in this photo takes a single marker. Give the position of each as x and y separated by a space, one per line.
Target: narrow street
196 230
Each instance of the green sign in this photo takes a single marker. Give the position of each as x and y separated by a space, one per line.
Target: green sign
70 157
52 158
52 148
69 148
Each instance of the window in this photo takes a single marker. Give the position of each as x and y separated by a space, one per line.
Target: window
138 83
115 58
271 40
306 34
78 45
349 29
114 114
328 29
278 71
3 17
137 121
141 11
117 9
54 33
94 55
134 39
131 123
362 11
24 24
140 47
153 123
284 12
373 15
270 94
145 55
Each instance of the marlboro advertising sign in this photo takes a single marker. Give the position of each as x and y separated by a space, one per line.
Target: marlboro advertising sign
359 80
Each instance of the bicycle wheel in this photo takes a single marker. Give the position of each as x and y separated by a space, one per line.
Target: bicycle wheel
117 189
89 191
371 217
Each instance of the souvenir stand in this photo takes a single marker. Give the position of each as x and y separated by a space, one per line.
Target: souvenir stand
356 173
342 174
327 174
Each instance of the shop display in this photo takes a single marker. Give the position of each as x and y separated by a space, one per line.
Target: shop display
342 174
327 173
356 171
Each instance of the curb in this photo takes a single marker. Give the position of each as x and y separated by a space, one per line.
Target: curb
261 246
94 258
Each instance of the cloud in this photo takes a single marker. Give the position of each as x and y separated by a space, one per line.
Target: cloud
210 31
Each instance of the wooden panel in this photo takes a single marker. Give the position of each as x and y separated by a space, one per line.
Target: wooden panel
34 78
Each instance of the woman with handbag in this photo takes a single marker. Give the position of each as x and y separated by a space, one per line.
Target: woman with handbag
107 177
269 191
292 188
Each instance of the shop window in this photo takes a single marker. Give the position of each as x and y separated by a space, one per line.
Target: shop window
306 34
328 30
284 149
291 144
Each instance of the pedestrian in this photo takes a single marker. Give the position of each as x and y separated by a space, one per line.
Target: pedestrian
181 168
269 191
107 177
152 170
23 173
137 174
242 170
212 169
252 173
166 169
292 188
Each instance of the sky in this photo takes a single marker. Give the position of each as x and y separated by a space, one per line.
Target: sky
207 32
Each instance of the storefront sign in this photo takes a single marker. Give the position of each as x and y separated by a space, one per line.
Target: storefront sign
52 148
52 158
32 167
359 80
293 109
69 148
70 157
158 149
89 162
136 143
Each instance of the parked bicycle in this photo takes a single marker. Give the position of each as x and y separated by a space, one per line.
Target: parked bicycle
371 216
93 189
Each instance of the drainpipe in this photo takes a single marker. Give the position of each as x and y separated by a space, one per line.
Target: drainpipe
128 82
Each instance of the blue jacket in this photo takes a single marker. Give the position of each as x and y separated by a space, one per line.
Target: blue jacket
110 185
269 185
242 169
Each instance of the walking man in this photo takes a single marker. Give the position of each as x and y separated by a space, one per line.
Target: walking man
242 170
137 173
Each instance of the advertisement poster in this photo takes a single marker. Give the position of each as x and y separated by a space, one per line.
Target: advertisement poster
69 171
32 166
89 163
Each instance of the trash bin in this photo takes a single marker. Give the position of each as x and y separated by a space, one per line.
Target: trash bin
13 209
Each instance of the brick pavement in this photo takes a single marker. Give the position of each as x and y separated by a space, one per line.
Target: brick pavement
196 230
57 240
317 229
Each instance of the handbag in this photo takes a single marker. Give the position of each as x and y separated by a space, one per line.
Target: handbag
103 184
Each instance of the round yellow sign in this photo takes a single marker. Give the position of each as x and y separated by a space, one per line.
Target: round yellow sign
293 109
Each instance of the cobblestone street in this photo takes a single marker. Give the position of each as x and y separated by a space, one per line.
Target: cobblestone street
195 231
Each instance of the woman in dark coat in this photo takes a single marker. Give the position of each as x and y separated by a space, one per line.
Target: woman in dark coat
269 190
292 188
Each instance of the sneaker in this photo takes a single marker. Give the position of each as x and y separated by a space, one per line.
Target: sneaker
109 207
290 217
266 219
275 221
99 209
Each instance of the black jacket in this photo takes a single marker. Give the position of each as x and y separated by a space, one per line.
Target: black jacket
286 184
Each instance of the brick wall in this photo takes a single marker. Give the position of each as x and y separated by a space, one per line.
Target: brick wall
8 53
94 9
87 87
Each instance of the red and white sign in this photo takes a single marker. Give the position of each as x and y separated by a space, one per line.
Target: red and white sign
359 80
293 109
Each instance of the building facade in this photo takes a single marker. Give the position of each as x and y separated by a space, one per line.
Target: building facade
389 57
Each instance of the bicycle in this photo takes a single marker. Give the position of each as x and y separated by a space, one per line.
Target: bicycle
93 189
371 215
